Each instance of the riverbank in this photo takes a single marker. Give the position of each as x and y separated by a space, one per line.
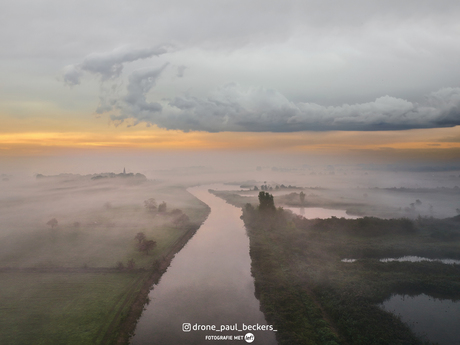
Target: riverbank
127 327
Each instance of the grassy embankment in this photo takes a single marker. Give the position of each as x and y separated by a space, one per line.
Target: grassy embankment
312 297
60 286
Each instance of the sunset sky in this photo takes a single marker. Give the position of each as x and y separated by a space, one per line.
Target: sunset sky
360 78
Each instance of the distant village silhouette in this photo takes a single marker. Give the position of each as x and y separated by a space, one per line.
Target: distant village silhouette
97 176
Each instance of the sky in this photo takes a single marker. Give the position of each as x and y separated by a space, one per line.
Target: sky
347 78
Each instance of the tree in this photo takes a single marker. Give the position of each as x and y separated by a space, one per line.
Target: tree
266 202
162 207
147 245
150 205
302 197
53 223
140 236
176 212
181 221
131 264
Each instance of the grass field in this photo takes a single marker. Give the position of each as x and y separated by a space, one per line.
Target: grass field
63 308
59 285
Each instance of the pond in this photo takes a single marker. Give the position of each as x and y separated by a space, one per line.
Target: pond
413 259
419 259
208 283
436 320
319 212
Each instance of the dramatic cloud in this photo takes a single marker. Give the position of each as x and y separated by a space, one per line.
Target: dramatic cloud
134 102
322 52
259 110
233 108
107 65
254 109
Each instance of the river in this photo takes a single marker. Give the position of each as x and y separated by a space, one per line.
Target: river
208 283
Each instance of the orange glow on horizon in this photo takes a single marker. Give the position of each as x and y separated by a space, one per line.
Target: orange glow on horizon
45 142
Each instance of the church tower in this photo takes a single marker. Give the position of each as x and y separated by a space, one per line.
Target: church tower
124 171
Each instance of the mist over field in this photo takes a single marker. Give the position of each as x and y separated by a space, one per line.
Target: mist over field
69 194
70 224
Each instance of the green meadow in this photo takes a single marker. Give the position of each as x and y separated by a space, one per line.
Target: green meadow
72 283
64 308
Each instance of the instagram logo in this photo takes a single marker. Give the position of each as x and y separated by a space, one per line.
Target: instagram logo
186 327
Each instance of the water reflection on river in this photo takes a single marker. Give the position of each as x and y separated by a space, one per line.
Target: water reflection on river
209 282
434 319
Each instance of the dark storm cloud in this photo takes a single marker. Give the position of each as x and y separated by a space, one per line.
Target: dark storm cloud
260 110
233 108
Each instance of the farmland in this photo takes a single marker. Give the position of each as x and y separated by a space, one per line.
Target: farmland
75 282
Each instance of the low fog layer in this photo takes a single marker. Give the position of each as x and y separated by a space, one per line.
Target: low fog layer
73 220
94 213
